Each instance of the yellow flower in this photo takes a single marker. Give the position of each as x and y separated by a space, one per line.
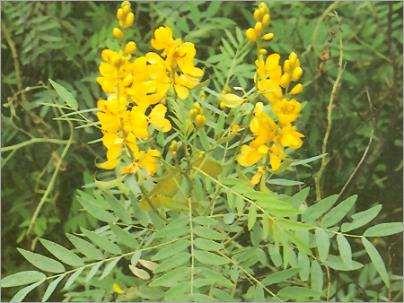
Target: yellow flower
179 60
113 70
248 156
163 38
256 178
287 111
146 160
183 83
262 126
136 122
117 288
268 77
150 81
157 118
276 155
290 137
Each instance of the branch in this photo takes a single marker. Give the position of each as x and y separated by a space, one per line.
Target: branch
335 87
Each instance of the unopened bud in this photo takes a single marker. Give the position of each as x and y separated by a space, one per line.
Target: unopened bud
268 37
129 48
117 33
251 35
200 120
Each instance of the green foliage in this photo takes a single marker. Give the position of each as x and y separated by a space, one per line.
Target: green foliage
226 240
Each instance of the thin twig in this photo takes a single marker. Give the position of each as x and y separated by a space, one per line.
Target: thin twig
32 141
14 54
51 182
365 153
335 87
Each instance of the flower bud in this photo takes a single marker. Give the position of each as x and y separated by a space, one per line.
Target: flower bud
128 22
258 28
266 19
251 35
262 51
262 6
120 14
285 80
292 58
129 48
106 55
268 37
297 73
200 120
297 89
117 33
257 14
126 8
125 3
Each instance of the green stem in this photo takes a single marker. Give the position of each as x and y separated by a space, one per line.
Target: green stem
33 141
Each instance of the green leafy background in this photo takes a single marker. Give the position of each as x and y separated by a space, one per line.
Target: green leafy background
62 41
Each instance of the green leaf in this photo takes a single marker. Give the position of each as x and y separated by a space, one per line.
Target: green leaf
323 243
303 262
384 229
119 210
85 247
206 244
42 262
209 258
64 94
284 182
22 293
300 197
316 210
22 278
308 160
376 260
280 276
337 213
275 255
63 254
344 249
361 218
252 216
298 293
109 267
51 288
73 278
94 269
179 260
335 262
316 276
209 233
95 210
102 242
124 237
171 278
171 250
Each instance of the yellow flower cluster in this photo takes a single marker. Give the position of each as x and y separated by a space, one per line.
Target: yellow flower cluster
272 135
262 18
136 89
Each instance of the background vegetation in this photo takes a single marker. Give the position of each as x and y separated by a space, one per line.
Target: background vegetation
62 41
